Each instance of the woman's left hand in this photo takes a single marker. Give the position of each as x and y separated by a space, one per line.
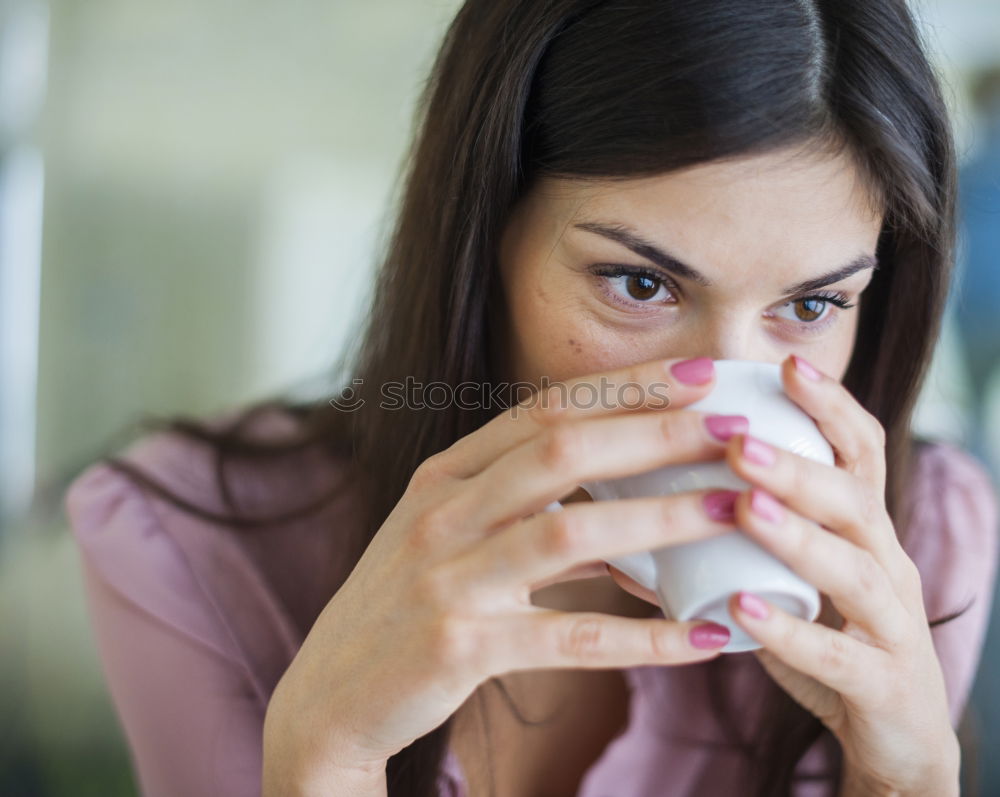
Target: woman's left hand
874 680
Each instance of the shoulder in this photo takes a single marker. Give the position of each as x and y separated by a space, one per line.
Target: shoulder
947 460
245 592
182 478
189 469
953 534
951 484
953 539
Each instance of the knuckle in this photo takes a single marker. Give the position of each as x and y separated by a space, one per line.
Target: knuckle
633 390
869 573
834 657
804 541
546 408
848 446
849 450
563 530
454 641
900 639
422 532
431 525
656 394
788 636
798 478
662 643
581 638
429 472
673 425
870 504
669 511
561 447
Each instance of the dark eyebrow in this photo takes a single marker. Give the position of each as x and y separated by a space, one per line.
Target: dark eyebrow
666 261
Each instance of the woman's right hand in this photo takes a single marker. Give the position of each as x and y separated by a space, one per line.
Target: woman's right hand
440 600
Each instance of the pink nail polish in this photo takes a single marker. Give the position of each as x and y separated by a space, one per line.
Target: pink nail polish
696 371
722 427
754 606
804 368
720 505
757 451
709 635
765 506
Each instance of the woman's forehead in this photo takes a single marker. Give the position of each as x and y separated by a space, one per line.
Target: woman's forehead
789 218
750 186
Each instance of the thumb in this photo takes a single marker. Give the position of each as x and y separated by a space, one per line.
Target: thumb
586 570
632 586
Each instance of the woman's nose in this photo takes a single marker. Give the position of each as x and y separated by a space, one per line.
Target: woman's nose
719 335
733 334
732 347
743 348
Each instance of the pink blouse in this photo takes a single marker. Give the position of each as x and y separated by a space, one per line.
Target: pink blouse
195 623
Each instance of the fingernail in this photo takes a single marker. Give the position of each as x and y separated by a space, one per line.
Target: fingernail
720 504
754 606
804 368
722 427
696 371
764 505
709 635
757 451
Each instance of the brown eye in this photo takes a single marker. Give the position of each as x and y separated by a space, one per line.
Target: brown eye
812 309
642 287
816 312
632 286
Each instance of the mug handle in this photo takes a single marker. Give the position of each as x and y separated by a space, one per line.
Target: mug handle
639 566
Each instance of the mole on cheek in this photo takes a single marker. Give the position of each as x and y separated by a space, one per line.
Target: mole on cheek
576 346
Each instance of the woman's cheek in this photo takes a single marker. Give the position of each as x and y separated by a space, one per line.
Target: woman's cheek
574 343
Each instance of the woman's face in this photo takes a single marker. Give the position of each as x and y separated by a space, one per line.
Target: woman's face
708 261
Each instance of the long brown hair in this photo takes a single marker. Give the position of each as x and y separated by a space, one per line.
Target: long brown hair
613 89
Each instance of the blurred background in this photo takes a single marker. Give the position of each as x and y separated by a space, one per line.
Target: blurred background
191 195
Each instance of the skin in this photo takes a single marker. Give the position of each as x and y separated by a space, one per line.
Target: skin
858 668
561 322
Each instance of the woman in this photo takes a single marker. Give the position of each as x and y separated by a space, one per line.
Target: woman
361 596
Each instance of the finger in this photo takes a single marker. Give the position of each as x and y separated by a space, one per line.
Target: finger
831 657
856 583
857 437
532 550
596 569
829 495
544 638
548 466
650 385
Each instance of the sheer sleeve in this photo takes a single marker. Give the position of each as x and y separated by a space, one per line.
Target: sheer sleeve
178 682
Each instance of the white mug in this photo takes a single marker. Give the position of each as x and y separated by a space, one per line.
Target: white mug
694 580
